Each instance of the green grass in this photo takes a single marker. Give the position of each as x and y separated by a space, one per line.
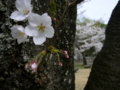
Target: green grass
78 66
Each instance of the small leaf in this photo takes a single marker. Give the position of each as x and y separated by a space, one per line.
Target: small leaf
52 8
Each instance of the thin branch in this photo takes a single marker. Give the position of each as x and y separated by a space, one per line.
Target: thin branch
58 25
62 17
65 11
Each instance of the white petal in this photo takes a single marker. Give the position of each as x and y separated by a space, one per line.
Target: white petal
20 28
49 31
34 19
16 29
25 38
19 5
27 3
38 40
21 39
31 31
15 33
46 20
18 16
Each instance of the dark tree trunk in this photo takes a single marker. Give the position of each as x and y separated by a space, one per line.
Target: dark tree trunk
84 58
105 73
63 77
13 56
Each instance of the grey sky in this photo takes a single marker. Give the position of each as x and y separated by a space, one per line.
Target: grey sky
96 9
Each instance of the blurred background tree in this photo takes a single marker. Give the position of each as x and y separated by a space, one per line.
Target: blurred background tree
89 39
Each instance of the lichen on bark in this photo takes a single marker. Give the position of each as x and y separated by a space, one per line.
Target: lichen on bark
13 56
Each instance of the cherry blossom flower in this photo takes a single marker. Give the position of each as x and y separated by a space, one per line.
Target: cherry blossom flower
40 28
24 9
18 32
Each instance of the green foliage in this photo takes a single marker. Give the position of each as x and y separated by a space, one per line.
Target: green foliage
78 66
100 24
84 21
52 8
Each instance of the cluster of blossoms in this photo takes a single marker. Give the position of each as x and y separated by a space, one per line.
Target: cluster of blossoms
88 36
32 65
39 26
55 50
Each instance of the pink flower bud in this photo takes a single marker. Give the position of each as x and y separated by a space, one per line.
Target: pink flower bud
27 66
65 53
60 63
31 66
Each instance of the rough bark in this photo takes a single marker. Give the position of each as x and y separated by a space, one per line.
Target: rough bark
105 73
13 56
64 75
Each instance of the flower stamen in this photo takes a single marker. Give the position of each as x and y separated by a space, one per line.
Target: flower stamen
20 34
25 11
41 27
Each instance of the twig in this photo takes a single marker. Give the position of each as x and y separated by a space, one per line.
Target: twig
62 17
58 25
65 11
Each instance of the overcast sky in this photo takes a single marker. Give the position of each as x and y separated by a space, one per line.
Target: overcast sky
96 9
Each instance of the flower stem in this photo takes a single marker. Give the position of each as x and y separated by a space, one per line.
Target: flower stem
58 56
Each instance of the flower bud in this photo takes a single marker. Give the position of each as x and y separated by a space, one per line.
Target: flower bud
43 53
60 63
65 53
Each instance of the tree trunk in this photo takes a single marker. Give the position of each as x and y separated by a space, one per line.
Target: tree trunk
13 56
105 73
84 58
63 77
